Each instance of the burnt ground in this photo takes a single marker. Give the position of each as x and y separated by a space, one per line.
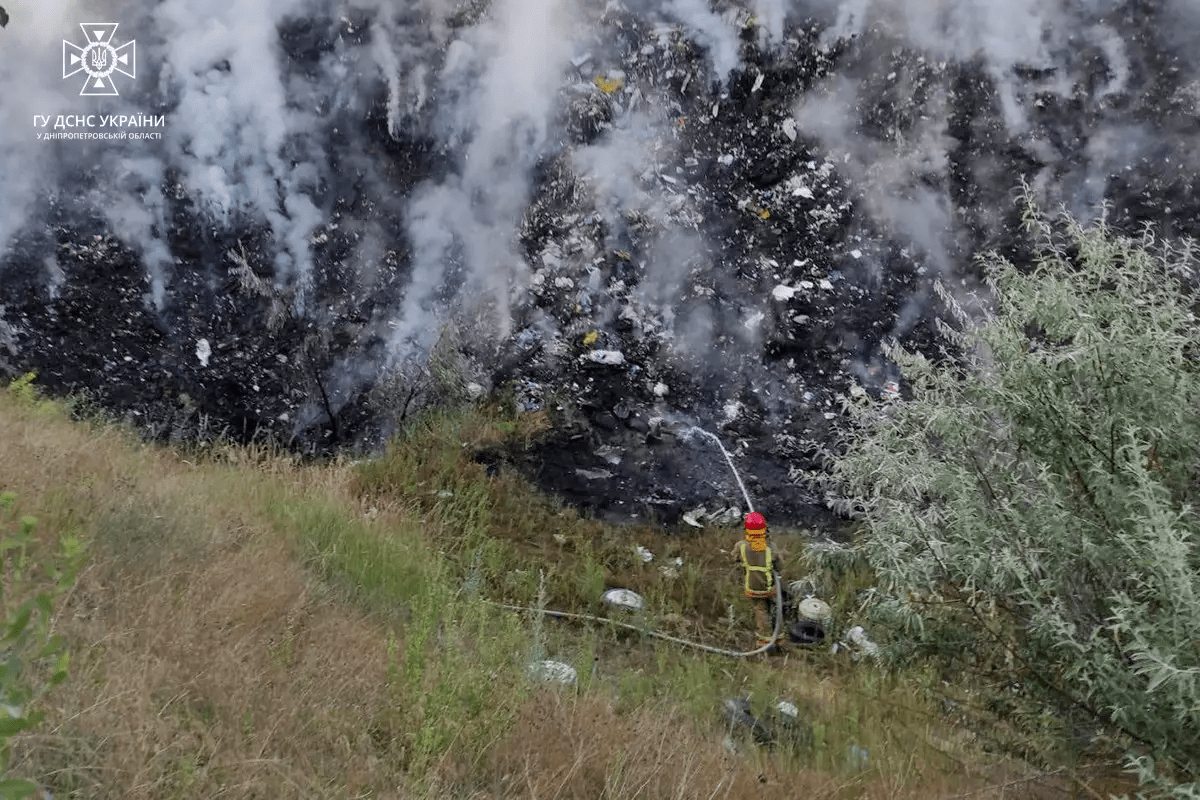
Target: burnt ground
741 278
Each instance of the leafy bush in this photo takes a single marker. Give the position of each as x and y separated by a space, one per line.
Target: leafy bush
1029 513
32 659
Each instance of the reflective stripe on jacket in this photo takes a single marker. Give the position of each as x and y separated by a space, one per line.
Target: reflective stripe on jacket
760 579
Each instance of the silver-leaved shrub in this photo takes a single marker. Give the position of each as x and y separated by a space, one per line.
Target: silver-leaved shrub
1029 509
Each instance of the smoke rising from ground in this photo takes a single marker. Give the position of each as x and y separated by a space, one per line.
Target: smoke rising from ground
713 206
504 76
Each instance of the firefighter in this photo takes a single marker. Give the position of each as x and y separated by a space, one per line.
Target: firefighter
757 560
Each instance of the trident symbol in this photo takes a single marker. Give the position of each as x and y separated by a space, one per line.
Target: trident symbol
99 58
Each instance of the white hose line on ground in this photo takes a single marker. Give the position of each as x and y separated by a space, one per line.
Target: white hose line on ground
675 639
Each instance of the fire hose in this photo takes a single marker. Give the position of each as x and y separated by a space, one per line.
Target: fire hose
674 639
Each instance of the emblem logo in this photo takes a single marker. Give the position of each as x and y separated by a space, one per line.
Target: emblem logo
99 59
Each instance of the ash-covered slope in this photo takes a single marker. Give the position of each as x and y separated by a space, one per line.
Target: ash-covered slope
653 215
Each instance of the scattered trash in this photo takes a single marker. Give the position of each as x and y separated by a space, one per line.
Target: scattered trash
609 86
815 610
590 337
554 672
858 638
669 572
807 632
203 351
782 292
736 713
693 517
624 599
644 554
858 644
559 539
613 358
787 709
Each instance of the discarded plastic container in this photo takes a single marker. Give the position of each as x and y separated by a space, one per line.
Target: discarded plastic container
623 599
857 757
814 609
814 614
554 672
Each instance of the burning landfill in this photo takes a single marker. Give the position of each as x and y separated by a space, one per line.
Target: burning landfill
653 215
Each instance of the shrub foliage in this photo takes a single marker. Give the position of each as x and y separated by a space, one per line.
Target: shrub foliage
1029 511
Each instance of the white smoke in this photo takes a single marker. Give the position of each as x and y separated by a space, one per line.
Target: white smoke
31 77
233 121
504 75
710 30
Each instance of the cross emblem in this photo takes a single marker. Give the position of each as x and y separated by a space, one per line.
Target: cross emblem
99 59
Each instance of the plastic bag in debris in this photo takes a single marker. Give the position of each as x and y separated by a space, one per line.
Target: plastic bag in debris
693 517
858 644
554 672
613 358
644 554
623 599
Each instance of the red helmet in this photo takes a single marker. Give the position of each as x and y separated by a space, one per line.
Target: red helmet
755 522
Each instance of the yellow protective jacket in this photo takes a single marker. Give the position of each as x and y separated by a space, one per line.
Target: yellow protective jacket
759 567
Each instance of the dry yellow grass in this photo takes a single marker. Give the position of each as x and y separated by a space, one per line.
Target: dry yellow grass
209 662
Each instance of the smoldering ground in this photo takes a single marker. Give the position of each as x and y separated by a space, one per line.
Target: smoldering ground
652 214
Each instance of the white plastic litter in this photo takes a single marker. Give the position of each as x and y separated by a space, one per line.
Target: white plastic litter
611 357
554 671
787 709
624 598
815 609
645 554
856 639
203 351
693 517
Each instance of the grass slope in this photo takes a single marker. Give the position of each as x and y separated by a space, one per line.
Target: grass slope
250 627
